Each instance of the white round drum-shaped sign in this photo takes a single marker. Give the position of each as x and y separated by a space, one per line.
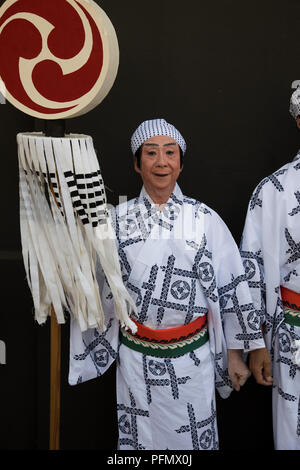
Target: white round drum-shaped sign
59 58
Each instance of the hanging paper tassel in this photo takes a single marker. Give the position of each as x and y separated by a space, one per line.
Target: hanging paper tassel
66 230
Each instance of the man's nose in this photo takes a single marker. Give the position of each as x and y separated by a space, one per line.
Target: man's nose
161 158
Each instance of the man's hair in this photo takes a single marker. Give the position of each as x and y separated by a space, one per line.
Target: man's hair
138 155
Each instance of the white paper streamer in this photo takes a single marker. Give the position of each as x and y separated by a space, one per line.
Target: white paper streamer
65 229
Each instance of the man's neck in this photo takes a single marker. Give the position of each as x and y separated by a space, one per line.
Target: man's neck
159 197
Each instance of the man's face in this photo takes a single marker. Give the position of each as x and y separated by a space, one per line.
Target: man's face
160 164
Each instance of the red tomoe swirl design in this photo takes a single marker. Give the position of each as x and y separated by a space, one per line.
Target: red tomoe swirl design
38 40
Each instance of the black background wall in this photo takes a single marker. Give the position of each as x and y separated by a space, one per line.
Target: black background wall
220 71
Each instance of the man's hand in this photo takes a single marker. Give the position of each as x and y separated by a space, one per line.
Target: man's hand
260 366
237 369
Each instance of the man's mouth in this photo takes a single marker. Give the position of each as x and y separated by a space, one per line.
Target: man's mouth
161 175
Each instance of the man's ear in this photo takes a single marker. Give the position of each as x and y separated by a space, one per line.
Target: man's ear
137 169
298 122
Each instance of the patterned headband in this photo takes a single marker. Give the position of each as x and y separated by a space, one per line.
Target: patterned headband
154 127
295 103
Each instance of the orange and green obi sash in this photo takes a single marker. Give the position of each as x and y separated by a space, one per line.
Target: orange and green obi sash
291 306
169 342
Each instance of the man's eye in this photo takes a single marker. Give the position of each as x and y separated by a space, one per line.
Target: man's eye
151 152
170 152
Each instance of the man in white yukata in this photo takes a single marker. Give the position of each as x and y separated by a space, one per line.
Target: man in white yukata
270 250
183 269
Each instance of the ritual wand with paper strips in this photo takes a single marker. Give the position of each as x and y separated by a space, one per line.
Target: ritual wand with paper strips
65 228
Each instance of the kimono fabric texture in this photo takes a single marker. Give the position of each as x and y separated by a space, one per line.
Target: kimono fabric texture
270 250
180 265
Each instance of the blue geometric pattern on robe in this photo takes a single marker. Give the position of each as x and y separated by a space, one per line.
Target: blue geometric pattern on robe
161 373
183 286
202 439
227 296
228 293
100 357
173 292
253 265
294 248
296 209
294 399
297 160
270 248
127 422
193 356
255 200
283 239
181 290
222 377
286 337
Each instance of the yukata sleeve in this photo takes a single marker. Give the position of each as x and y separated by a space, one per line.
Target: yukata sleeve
92 352
251 250
239 317
260 252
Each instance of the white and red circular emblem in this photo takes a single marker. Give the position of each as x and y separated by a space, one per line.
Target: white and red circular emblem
59 58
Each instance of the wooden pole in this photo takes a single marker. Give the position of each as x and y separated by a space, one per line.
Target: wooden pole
55 128
55 367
